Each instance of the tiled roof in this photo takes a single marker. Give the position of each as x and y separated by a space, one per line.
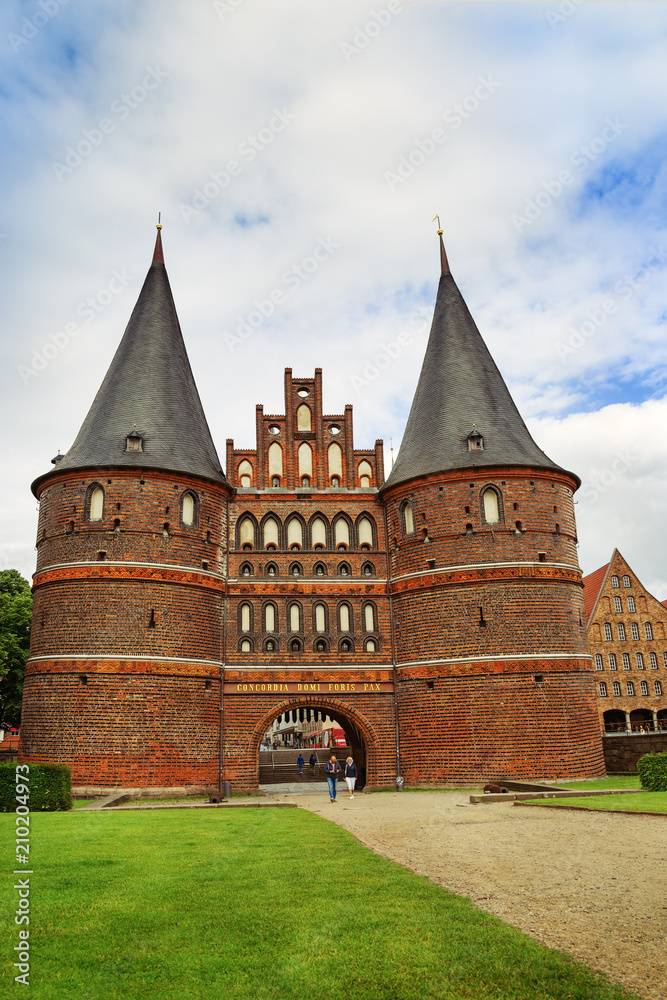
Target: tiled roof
460 390
149 388
592 584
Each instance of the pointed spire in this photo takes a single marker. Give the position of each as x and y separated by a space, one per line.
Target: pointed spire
462 414
158 256
147 412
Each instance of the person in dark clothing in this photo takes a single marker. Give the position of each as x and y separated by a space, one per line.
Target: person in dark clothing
312 762
350 775
300 762
332 771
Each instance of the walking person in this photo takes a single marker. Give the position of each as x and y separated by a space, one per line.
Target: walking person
312 762
350 775
300 762
332 771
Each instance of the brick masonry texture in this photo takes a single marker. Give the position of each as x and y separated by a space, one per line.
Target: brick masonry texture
621 753
138 616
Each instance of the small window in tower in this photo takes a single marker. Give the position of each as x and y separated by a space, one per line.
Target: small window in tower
246 646
518 528
305 481
321 646
345 646
365 473
134 442
274 429
303 418
475 441
408 518
275 481
245 474
335 481
188 509
96 504
303 392
371 645
295 646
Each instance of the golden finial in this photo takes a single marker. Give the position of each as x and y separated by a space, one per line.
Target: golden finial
159 217
433 220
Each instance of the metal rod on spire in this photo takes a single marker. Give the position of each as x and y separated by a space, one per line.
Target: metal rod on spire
444 263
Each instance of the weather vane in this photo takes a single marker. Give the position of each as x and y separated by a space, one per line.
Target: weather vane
439 228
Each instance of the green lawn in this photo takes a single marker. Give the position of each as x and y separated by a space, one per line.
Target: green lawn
641 802
616 781
256 904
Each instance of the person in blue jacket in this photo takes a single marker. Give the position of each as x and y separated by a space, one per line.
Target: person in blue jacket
350 775
300 762
332 771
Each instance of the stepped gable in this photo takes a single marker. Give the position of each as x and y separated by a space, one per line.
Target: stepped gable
461 393
149 390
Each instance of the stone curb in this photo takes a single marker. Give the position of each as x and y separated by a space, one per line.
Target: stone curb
571 794
590 809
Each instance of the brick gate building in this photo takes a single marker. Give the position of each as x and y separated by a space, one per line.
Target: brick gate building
437 615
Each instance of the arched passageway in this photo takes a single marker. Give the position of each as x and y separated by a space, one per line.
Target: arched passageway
641 719
614 721
312 730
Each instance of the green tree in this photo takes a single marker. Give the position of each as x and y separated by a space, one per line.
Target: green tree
15 614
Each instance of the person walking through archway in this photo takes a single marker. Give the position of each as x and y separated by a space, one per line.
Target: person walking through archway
350 775
332 770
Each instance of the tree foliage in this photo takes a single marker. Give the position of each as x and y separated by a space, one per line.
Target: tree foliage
15 614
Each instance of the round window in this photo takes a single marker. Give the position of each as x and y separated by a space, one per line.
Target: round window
334 428
274 429
303 392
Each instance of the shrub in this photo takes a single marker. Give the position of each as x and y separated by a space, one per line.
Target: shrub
652 770
50 787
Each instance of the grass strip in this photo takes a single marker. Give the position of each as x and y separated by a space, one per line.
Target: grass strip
615 781
262 904
644 802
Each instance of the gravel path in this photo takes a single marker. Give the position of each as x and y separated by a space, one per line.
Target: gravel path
590 884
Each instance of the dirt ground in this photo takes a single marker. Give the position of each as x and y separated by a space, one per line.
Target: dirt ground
590 884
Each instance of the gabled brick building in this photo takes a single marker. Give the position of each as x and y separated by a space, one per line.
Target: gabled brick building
627 632
438 616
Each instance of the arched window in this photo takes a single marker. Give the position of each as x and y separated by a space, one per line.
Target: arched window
369 617
634 628
275 481
648 630
246 646
621 631
614 581
491 505
271 569
344 618
189 506
365 533
320 569
344 569
335 455
626 581
95 502
275 462
321 646
294 533
247 533
370 646
271 646
271 532
612 661
408 517
303 418
318 532
342 533
598 661
320 618
618 607
603 689
365 473
294 618
368 569
643 687
245 473
345 646
617 688
295 645
246 569
296 569
305 454
270 618
245 622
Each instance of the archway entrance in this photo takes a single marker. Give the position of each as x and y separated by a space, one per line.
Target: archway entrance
312 731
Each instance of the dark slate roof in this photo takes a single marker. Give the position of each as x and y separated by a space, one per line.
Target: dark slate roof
460 390
149 386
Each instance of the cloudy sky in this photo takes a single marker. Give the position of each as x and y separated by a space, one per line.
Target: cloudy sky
263 130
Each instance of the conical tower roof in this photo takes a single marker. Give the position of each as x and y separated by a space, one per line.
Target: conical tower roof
149 391
461 395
